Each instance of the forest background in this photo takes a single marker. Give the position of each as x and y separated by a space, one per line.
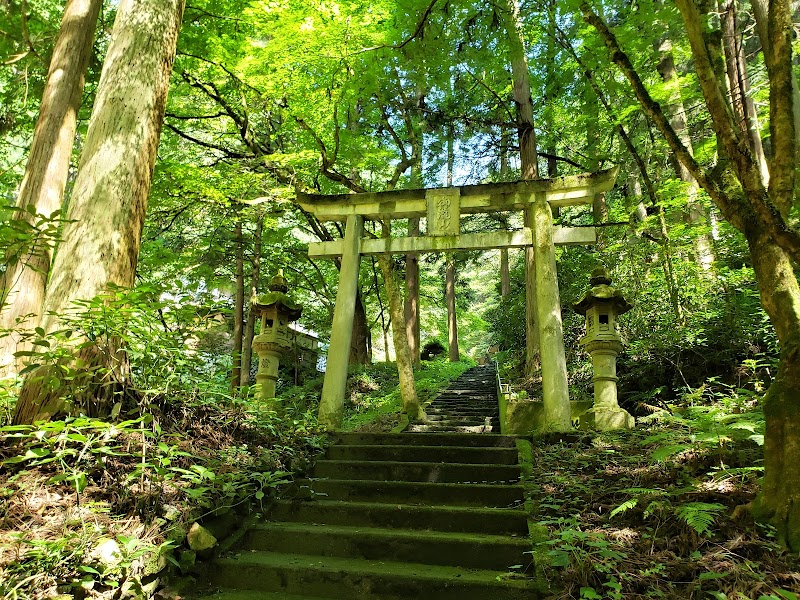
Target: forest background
268 98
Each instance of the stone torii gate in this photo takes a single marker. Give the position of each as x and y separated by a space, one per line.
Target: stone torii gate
443 208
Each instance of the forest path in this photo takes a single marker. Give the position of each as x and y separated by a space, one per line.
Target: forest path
394 516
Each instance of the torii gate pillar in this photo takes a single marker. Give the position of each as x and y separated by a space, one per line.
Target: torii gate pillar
555 389
331 407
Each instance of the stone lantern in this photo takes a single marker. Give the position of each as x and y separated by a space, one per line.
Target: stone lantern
601 306
276 310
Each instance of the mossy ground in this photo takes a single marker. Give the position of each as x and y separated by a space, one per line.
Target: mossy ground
632 518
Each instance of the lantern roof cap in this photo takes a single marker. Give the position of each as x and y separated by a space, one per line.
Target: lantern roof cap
278 283
278 297
603 293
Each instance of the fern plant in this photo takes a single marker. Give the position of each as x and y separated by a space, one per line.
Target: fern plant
700 516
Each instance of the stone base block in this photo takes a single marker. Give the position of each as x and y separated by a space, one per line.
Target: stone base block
607 419
525 417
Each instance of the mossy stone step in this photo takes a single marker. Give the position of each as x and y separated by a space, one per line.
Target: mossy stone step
489 421
430 547
256 595
501 521
360 579
399 452
471 419
426 439
413 492
435 428
432 472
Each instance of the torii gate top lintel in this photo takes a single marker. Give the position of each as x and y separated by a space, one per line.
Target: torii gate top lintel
568 190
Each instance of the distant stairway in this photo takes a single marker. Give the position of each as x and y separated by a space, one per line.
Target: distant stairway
469 405
423 516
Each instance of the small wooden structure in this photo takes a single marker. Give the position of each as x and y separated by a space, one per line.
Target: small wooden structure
443 208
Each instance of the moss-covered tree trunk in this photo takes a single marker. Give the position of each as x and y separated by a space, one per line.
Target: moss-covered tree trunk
101 241
405 364
779 500
23 283
758 210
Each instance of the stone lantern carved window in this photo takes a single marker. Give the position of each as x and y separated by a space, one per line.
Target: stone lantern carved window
604 320
268 323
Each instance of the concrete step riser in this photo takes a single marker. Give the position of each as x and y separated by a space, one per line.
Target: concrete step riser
394 492
457 520
431 473
449 454
467 553
354 585
426 439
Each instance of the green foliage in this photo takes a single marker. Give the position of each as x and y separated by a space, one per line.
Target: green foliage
374 394
23 233
157 331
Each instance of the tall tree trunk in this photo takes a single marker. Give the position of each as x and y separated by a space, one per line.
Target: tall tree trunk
695 212
450 266
360 344
505 273
529 162
452 322
384 325
739 84
411 308
405 366
523 100
238 307
250 326
101 239
23 283
414 126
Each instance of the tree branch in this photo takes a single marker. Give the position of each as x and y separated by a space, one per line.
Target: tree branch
227 151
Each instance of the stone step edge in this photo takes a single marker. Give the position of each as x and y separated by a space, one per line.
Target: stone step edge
404 447
412 463
439 508
420 535
231 594
361 567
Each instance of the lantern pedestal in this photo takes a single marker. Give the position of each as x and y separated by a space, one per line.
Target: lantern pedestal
269 356
606 413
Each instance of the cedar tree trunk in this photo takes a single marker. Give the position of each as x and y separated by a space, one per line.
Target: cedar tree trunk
22 286
101 241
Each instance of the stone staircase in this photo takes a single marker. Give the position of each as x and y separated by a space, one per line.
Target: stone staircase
431 516
468 405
